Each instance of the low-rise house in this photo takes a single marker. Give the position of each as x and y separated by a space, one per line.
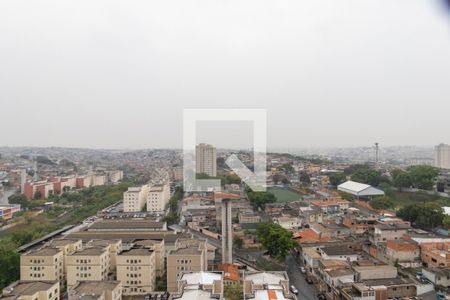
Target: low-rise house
288 222
311 214
368 270
332 206
358 291
403 252
436 254
248 218
359 225
311 258
341 252
438 276
231 274
381 233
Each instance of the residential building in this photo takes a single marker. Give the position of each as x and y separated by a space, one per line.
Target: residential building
332 206
438 276
199 285
288 222
358 291
42 264
88 264
127 225
188 255
114 246
96 290
381 233
442 156
341 252
206 159
158 197
436 254
38 189
267 285
403 252
67 247
32 290
134 199
231 274
157 246
136 270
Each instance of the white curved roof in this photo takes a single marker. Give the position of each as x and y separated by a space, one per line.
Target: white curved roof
359 189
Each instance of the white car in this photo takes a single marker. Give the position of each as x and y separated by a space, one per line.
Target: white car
302 270
293 290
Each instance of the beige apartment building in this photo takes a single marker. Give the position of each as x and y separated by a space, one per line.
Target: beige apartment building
42 264
206 159
115 247
156 246
136 270
88 264
189 255
158 197
135 198
67 247
32 290
96 290
200 285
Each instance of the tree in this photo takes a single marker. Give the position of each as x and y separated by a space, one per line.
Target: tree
423 176
233 292
287 167
337 178
37 195
18 198
401 179
277 240
238 242
304 178
446 222
44 160
424 215
276 178
9 262
260 199
382 203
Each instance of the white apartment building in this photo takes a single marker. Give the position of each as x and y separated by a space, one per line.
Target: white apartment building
206 159
442 156
158 197
135 198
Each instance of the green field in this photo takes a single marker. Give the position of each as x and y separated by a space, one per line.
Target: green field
284 195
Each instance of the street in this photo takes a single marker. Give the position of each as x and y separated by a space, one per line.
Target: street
296 278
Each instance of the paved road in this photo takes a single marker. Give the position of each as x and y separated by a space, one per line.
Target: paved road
305 291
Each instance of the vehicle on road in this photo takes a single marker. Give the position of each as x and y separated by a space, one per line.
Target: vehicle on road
308 280
294 290
302 270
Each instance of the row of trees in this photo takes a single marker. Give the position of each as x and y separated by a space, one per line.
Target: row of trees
421 177
173 217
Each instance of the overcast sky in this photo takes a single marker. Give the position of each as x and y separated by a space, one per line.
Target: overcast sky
118 74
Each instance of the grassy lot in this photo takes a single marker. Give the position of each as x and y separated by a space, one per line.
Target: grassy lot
402 199
284 195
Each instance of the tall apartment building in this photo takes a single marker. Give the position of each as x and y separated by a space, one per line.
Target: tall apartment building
32 290
158 247
88 264
200 285
114 246
206 159
67 247
135 198
136 270
189 255
158 197
42 264
96 290
442 156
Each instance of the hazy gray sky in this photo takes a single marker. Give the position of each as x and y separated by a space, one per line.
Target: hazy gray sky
117 74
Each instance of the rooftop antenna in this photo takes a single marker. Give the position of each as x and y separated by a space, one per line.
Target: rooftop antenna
377 153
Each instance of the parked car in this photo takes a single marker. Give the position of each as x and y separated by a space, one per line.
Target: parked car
293 290
308 280
302 270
